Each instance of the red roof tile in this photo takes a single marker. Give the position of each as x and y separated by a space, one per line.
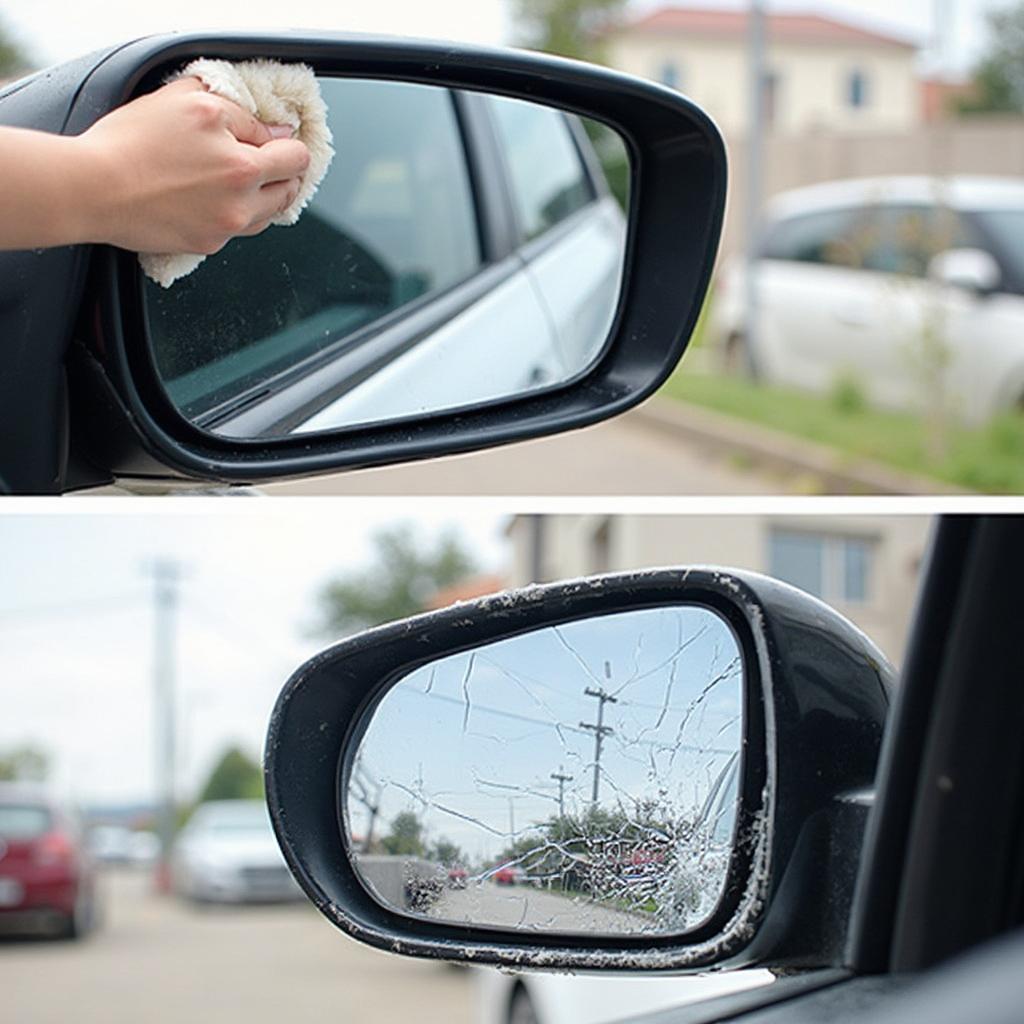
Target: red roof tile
797 28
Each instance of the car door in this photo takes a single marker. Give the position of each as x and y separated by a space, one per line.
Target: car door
571 230
812 307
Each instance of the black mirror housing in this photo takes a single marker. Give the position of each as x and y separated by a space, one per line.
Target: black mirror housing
121 423
815 700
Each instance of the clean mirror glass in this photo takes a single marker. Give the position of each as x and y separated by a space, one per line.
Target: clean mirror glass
582 777
462 249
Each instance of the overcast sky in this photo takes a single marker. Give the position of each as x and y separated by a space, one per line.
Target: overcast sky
57 30
76 623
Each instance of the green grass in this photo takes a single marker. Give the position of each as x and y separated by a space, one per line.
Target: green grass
988 459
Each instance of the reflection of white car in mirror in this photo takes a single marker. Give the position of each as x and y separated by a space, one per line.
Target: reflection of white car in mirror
912 287
227 853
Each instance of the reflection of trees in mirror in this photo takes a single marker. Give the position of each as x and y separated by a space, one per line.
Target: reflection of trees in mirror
585 775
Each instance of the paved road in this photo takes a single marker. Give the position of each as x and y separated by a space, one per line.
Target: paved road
527 907
156 960
621 456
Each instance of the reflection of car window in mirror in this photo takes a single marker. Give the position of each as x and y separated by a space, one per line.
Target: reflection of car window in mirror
580 777
406 287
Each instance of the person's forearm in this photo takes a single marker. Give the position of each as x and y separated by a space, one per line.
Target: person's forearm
176 170
51 190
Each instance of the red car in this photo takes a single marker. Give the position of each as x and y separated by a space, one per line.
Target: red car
47 877
509 874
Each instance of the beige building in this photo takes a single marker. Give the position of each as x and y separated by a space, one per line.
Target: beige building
866 567
822 72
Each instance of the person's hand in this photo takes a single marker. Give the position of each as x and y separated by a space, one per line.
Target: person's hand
183 170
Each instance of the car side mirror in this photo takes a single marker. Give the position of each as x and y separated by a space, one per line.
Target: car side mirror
530 254
974 270
663 769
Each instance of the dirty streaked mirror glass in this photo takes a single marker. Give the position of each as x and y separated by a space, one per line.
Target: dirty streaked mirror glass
463 249
581 777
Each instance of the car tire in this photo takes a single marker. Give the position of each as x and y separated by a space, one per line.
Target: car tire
520 1007
82 920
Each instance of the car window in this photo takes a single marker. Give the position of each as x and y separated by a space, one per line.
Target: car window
549 181
394 220
890 238
819 237
904 238
23 821
1007 230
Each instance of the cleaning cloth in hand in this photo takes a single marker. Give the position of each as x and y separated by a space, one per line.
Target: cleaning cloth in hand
275 93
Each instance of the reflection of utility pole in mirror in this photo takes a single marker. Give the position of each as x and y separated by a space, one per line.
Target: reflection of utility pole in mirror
600 730
561 778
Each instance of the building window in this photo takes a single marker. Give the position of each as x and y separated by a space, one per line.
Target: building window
670 74
857 89
831 567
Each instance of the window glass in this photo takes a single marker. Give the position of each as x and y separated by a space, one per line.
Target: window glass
890 238
857 89
1007 230
393 220
23 821
832 567
819 237
856 556
798 558
549 182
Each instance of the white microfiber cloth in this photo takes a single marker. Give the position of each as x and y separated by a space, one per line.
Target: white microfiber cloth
275 93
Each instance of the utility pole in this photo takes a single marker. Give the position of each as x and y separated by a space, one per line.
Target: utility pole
600 730
166 577
757 74
561 778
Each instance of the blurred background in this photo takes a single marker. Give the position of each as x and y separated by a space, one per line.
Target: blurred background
141 656
861 334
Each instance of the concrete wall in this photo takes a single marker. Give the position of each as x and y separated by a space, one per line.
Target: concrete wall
984 145
581 545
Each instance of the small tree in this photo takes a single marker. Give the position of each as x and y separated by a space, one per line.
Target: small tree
445 852
236 776
568 28
999 76
14 60
406 836
24 764
399 583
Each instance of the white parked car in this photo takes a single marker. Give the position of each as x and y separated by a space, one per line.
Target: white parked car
913 286
227 853
535 998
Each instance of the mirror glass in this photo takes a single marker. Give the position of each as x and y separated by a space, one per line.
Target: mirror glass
581 777
463 249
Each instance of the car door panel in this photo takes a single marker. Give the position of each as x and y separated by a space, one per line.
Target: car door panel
520 353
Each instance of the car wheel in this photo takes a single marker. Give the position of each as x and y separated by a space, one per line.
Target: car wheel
737 358
82 919
520 1009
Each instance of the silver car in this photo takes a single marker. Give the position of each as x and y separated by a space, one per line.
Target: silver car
227 853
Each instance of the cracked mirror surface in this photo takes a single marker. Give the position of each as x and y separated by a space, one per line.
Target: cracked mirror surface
462 250
579 777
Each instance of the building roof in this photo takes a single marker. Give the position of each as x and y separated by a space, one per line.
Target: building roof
791 28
